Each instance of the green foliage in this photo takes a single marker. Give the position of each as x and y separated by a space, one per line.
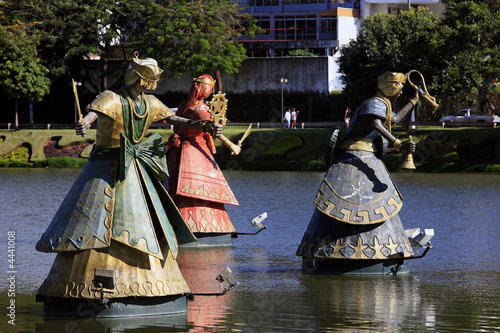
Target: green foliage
15 164
301 53
198 36
69 30
20 154
457 54
472 44
437 167
61 162
314 165
21 73
201 36
436 149
282 146
411 40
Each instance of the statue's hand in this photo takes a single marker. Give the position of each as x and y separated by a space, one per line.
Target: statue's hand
82 127
217 130
214 129
414 99
409 146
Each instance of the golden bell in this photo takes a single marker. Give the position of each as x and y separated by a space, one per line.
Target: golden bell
408 164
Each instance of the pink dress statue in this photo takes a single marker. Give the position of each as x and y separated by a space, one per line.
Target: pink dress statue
196 184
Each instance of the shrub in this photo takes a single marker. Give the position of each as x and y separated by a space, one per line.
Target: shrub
15 164
20 154
61 162
314 165
301 53
282 146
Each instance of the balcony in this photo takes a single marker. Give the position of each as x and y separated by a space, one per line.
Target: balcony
292 38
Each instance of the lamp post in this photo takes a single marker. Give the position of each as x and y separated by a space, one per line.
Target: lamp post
282 80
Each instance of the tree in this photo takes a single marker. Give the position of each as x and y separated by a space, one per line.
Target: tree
197 36
70 31
22 76
410 40
458 54
472 48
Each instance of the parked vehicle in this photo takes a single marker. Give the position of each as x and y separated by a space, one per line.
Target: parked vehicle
467 116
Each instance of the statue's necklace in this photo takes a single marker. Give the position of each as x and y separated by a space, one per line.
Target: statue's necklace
134 114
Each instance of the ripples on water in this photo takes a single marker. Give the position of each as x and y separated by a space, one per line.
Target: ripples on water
455 288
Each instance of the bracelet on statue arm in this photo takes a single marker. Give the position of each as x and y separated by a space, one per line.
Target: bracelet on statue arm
397 144
85 123
202 126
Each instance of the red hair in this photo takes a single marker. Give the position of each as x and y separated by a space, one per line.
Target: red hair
198 92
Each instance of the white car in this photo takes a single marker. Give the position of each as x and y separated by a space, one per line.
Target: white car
467 116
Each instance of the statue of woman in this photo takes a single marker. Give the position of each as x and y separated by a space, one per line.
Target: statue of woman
196 183
117 221
355 226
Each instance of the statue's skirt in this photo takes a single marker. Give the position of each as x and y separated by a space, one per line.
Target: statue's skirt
355 227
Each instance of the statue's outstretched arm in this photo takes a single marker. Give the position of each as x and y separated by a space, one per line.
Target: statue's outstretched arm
209 127
397 117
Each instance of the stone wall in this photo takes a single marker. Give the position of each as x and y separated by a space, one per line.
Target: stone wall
262 75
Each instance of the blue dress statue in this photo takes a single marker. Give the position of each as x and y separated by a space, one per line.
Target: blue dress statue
355 227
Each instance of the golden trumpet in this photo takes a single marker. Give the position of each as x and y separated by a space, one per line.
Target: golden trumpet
423 92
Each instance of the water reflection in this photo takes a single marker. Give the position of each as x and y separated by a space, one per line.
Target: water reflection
455 288
200 268
377 303
167 323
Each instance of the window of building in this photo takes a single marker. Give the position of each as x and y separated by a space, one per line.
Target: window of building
264 22
254 3
295 27
303 2
329 24
393 10
328 28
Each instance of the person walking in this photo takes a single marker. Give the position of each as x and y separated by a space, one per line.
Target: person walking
294 115
347 116
287 118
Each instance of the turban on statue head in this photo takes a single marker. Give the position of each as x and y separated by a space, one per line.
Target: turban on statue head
146 70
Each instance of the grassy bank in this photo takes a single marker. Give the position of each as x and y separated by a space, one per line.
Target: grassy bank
438 150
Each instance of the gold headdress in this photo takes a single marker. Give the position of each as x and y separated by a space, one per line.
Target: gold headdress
388 90
145 69
392 77
204 80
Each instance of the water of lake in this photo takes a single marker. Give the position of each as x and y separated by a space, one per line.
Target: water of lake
455 288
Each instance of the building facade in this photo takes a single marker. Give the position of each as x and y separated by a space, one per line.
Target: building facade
315 25
320 26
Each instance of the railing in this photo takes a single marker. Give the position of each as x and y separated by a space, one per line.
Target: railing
293 34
